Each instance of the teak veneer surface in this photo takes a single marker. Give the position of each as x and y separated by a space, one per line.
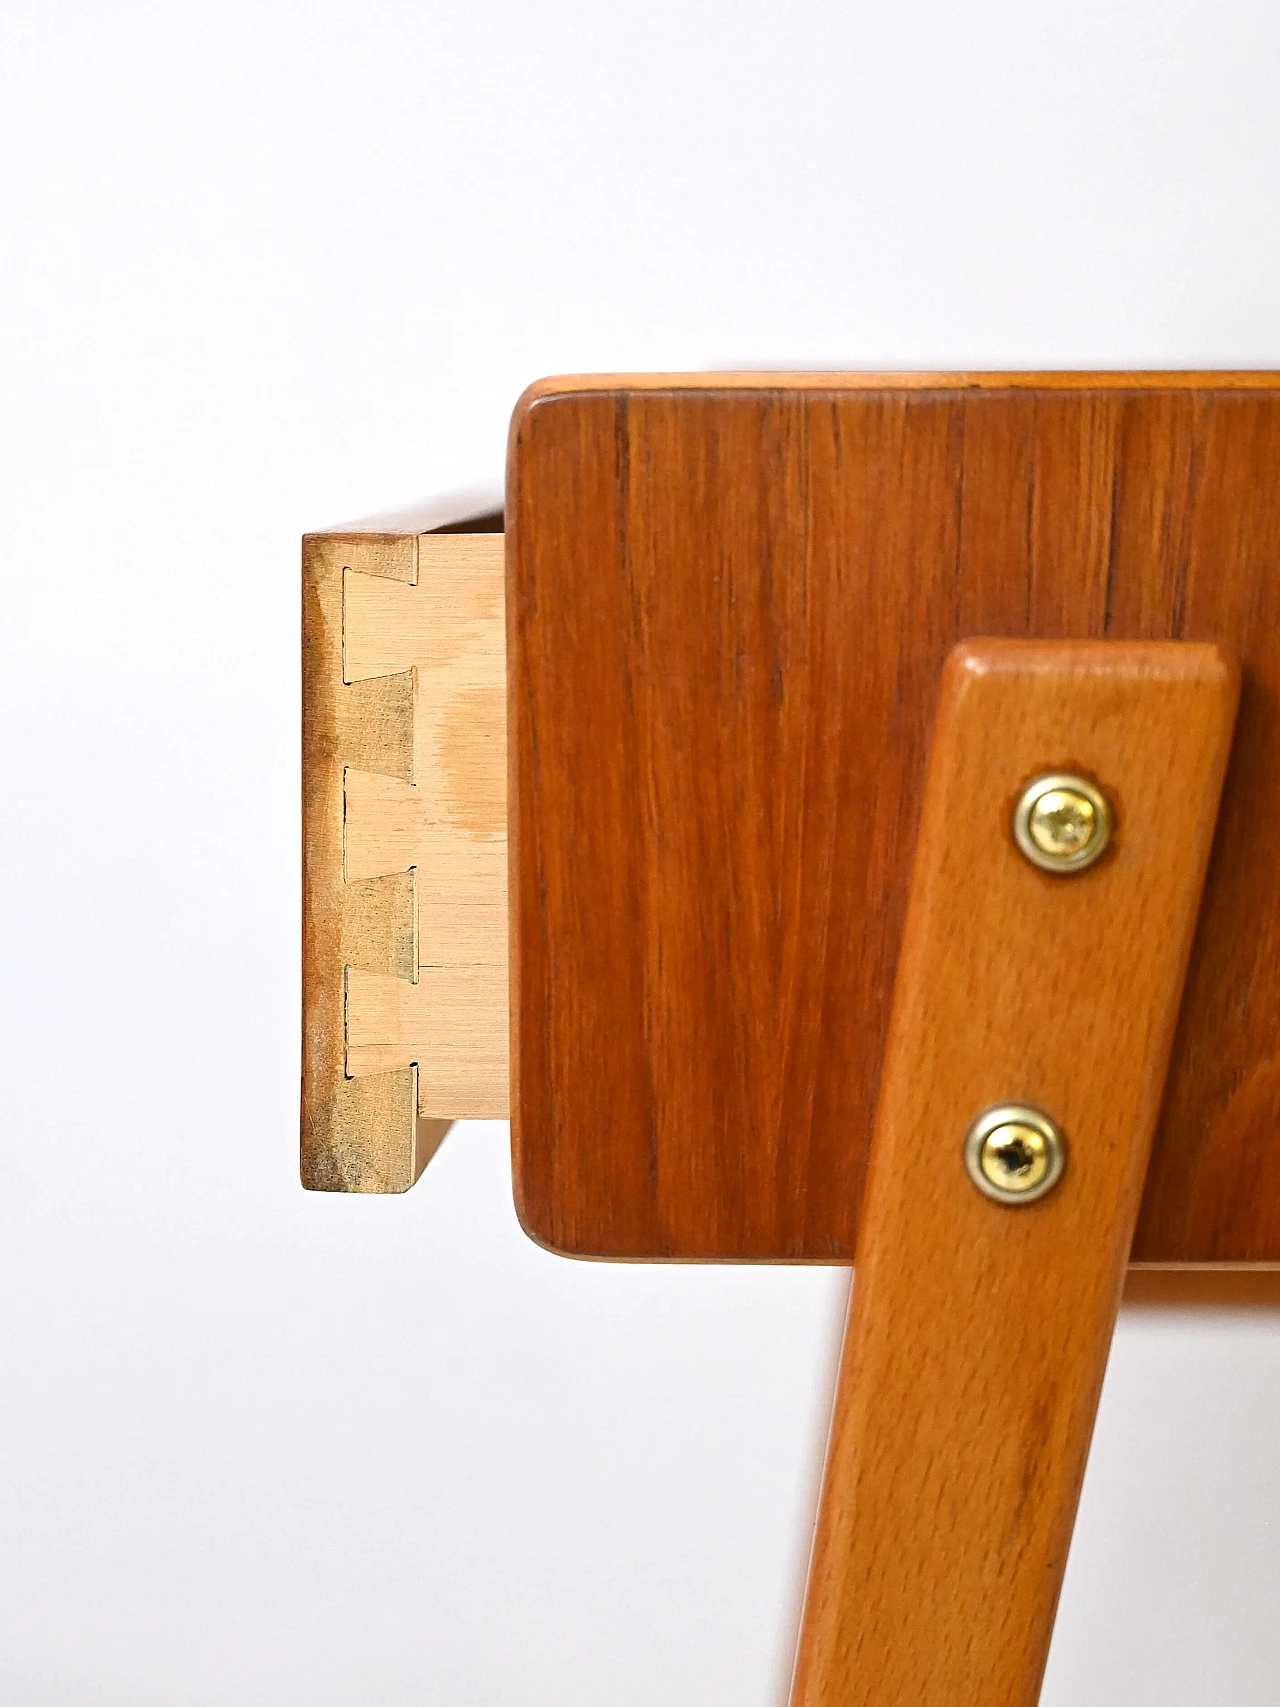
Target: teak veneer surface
729 601
978 1331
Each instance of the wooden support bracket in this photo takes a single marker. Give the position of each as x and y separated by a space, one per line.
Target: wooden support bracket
979 1331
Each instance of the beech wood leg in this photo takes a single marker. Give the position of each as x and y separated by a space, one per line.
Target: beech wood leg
978 1331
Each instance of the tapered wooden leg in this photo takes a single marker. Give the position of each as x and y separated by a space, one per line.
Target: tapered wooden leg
979 1329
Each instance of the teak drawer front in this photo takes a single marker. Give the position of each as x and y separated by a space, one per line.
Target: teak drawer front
728 608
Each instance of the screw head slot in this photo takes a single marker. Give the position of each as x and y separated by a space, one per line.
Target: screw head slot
1062 823
1014 1154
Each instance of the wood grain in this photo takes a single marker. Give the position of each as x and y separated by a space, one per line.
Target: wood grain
449 826
979 1333
357 1134
383 835
729 601
842 380
1222 1287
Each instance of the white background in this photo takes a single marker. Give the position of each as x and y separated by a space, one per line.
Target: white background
268 266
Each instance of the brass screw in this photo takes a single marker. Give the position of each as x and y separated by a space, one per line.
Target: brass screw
1062 823
1014 1154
